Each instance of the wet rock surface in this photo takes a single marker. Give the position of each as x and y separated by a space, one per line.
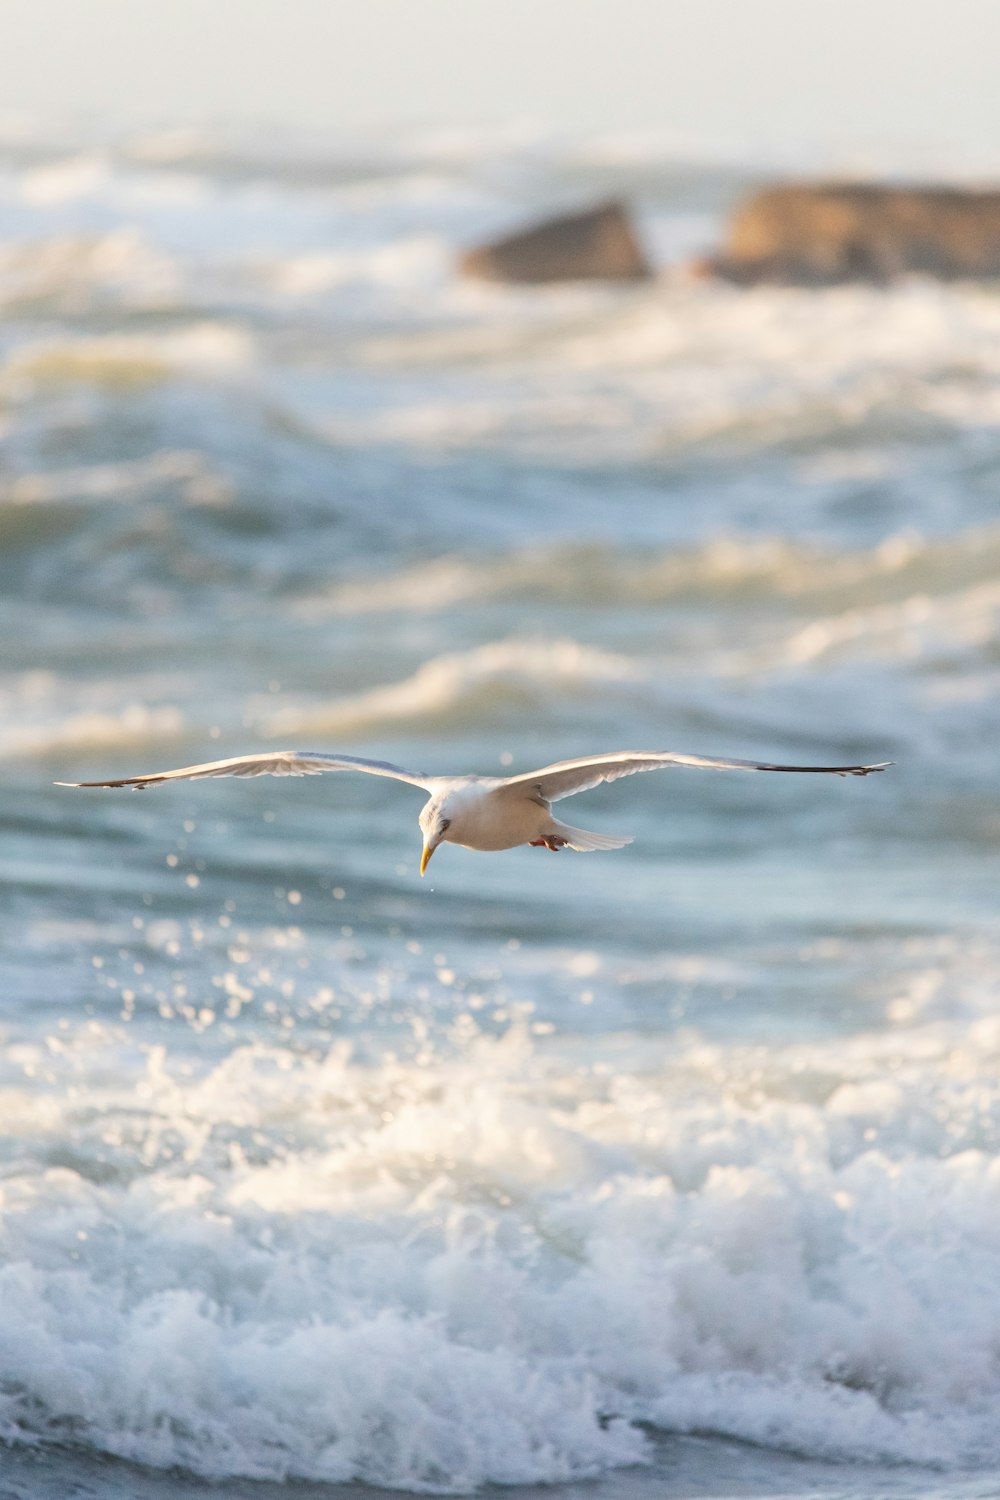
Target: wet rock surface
595 244
838 232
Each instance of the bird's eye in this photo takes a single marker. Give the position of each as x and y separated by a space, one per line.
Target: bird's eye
445 823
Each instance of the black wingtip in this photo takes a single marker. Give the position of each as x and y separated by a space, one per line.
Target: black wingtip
101 785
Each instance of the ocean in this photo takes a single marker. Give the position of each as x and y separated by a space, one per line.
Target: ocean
667 1172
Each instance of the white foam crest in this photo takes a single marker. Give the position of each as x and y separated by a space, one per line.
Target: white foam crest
475 146
79 176
467 686
135 724
169 146
198 481
917 629
741 568
203 350
44 714
73 272
677 367
452 1270
416 262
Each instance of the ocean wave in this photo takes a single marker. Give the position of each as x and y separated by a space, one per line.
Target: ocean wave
412 263
76 176
123 362
743 571
91 729
189 471
687 371
45 714
74 274
558 681
917 630
526 152
486 1265
677 370
488 684
910 600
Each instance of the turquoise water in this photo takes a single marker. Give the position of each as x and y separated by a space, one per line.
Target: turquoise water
676 1166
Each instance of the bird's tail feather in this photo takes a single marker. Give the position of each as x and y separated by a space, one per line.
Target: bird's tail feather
584 841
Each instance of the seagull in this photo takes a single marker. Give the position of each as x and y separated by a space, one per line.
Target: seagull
482 812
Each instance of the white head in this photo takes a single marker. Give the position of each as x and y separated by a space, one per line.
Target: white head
434 824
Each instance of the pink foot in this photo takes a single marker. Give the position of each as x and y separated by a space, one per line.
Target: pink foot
550 841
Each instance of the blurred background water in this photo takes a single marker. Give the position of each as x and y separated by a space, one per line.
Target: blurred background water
519 1174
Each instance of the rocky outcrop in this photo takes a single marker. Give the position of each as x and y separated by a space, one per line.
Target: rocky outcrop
828 233
598 244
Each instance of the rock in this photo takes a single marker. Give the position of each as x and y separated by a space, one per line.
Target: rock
598 244
828 233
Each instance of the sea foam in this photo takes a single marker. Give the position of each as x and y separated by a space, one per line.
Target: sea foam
484 1265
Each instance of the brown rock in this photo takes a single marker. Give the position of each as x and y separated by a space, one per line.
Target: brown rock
598 244
837 232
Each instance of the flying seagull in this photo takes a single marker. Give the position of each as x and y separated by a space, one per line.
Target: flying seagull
482 812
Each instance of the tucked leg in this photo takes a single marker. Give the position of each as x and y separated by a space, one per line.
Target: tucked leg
549 841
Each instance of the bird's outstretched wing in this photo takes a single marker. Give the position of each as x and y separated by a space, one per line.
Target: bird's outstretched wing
270 763
567 777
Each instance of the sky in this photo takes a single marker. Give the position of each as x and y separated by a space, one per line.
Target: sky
754 74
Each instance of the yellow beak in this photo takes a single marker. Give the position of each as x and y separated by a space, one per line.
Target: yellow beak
425 861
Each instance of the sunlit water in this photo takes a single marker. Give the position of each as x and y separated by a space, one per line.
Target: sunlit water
677 1167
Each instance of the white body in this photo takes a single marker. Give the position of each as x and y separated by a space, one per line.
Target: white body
479 819
492 813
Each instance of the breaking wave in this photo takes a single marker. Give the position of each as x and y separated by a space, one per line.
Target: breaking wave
479 1267
489 684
